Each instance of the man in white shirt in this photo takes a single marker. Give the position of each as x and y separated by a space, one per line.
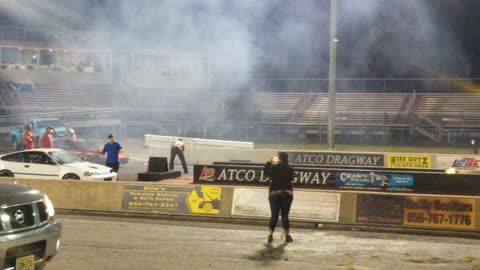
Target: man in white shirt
178 148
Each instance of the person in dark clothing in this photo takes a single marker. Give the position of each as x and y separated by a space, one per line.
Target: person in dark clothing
475 143
178 148
280 194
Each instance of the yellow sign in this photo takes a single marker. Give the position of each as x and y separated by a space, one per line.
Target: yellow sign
424 211
205 200
409 161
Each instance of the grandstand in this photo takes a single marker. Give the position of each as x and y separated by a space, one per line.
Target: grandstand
452 110
55 96
170 88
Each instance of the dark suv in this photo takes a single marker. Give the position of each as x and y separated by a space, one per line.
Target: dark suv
29 233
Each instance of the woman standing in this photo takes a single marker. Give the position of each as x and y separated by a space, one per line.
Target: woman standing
280 193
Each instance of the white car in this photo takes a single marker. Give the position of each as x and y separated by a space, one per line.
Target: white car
51 163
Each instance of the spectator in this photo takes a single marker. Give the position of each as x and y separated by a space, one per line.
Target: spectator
474 142
46 141
28 137
71 135
280 194
178 148
112 150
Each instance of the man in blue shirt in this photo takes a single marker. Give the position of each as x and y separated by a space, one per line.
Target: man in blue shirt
112 149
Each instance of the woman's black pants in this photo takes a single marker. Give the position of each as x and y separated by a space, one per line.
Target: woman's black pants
280 204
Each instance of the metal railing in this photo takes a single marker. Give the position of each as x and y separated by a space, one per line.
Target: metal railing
49 35
379 85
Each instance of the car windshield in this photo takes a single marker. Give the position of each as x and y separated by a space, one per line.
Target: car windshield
63 157
46 123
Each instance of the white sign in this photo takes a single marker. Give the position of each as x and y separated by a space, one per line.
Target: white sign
307 205
456 161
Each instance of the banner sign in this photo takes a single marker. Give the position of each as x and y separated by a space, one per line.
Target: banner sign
442 212
254 175
307 205
374 180
409 161
338 158
335 178
173 199
456 161
466 163
381 209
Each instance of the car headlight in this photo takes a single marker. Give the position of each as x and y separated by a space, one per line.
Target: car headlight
49 205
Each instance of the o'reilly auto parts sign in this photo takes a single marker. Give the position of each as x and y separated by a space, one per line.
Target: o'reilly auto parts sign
250 175
336 158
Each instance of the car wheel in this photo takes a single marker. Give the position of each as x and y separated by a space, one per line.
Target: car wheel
6 173
70 176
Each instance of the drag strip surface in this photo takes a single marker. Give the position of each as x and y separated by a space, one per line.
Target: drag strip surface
124 243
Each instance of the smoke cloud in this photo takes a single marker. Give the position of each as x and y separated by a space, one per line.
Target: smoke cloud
270 38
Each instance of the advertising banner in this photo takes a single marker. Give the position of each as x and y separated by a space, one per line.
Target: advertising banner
374 180
254 175
307 205
336 158
441 212
173 199
456 161
409 161
336 178
381 209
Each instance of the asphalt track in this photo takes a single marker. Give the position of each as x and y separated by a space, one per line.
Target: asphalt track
127 243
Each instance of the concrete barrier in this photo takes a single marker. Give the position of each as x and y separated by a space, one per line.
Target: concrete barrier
195 143
353 208
208 156
134 196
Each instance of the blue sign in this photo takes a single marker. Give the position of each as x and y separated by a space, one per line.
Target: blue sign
374 180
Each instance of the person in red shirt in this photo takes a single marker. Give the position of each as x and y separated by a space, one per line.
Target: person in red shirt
28 137
46 141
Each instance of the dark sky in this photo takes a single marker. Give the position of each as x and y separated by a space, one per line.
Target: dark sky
398 49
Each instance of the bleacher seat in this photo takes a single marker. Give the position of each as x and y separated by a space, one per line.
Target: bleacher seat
54 96
276 107
451 110
352 109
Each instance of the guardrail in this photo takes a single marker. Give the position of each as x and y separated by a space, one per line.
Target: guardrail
50 35
383 85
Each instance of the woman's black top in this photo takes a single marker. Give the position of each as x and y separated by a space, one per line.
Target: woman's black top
281 176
